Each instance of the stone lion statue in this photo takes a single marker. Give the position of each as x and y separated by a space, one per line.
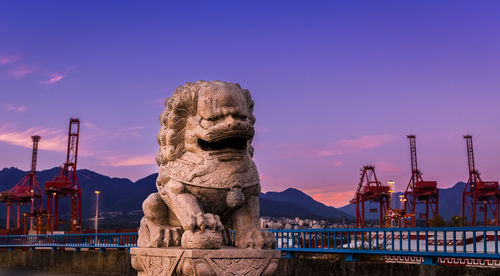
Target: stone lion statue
208 184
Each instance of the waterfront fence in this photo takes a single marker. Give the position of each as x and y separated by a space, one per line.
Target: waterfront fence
429 243
77 241
426 242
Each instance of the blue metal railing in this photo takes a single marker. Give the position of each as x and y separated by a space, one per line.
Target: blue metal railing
112 240
453 242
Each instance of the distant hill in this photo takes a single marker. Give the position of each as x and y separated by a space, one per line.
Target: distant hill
299 198
450 203
271 208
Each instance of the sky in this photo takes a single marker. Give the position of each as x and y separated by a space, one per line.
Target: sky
336 84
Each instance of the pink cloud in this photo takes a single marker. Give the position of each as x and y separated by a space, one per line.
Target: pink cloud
22 71
54 78
148 159
336 164
9 107
90 125
52 139
5 59
387 167
346 146
134 131
259 129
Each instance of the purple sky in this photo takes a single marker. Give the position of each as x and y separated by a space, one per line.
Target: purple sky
336 84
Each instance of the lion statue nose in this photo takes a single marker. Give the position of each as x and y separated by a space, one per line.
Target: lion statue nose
235 197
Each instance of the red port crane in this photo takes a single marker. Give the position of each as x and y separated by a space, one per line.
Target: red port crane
25 191
479 193
419 191
370 189
66 183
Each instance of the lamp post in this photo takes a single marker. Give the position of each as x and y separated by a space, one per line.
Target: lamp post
96 210
53 211
391 191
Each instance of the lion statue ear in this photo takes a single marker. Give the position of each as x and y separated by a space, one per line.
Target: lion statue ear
251 117
250 104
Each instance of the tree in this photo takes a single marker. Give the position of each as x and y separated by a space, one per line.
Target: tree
437 221
458 221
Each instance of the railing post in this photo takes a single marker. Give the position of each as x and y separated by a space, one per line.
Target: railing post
418 241
485 242
496 242
328 239
445 242
351 258
454 241
430 260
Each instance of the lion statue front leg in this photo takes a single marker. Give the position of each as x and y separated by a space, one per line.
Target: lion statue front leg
156 227
246 227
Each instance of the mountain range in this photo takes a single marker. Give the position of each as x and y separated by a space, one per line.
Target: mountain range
120 199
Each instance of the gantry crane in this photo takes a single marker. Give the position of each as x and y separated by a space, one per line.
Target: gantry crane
25 191
478 192
419 191
66 183
370 189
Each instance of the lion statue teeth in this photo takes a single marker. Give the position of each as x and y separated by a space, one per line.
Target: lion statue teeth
208 184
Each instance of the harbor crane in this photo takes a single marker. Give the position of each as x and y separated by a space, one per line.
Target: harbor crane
66 183
370 189
419 191
25 191
479 193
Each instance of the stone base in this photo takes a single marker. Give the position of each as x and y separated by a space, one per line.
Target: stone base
224 261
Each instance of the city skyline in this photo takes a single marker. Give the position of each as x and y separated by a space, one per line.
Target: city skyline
336 85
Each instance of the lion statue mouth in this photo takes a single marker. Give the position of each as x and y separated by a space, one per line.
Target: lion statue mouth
235 144
225 148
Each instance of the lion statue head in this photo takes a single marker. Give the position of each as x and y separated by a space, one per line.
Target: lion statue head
207 126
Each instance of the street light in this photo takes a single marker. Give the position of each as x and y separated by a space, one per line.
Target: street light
391 191
96 209
402 199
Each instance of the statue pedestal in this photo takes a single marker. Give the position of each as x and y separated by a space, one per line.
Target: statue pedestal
224 261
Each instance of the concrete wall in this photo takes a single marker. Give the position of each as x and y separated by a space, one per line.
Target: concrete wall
118 263
111 262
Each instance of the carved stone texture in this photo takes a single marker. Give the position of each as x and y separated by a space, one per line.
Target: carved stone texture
204 262
208 183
